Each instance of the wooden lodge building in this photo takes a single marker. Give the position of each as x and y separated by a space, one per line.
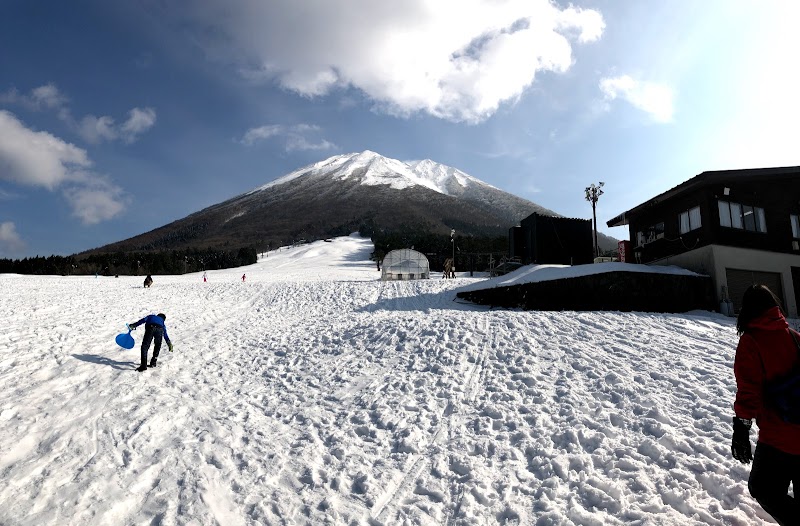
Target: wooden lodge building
738 226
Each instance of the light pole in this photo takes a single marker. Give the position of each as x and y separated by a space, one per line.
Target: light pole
453 242
593 193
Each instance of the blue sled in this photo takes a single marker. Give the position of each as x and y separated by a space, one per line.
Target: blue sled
125 340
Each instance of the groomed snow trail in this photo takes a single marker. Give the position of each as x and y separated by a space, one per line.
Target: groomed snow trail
315 394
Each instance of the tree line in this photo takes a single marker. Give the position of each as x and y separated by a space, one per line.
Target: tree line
472 252
132 263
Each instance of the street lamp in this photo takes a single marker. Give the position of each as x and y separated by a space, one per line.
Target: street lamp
593 193
453 242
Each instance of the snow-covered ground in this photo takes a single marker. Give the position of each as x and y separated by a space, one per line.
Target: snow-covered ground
313 393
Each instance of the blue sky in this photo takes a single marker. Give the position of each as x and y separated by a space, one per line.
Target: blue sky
119 117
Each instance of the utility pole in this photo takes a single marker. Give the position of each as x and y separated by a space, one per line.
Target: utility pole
593 193
453 242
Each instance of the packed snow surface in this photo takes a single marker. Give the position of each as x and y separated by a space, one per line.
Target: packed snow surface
312 393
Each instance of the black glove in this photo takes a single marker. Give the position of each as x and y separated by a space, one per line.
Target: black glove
132 326
740 446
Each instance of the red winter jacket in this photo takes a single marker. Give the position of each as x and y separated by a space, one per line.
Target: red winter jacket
766 351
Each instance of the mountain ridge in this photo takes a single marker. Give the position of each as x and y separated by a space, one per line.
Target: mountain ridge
340 195
396 174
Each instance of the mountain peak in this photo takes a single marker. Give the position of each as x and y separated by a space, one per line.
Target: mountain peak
373 169
342 194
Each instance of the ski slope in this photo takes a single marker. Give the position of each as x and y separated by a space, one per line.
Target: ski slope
312 393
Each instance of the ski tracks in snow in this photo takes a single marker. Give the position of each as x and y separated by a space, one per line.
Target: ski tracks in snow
360 402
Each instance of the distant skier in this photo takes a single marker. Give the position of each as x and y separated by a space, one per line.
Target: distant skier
243 276
767 351
154 330
148 281
204 277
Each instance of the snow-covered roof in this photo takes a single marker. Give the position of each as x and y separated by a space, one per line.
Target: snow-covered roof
535 273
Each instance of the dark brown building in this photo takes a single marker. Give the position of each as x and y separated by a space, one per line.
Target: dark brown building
544 239
737 226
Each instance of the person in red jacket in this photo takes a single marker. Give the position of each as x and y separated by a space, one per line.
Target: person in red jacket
767 351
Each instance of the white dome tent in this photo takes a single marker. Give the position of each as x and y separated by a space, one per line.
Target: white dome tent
404 264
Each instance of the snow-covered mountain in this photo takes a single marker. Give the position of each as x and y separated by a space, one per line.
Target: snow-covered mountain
372 169
340 195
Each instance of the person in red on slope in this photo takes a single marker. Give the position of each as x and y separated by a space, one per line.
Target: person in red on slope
243 276
767 351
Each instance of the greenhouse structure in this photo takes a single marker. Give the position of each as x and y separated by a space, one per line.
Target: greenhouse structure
405 264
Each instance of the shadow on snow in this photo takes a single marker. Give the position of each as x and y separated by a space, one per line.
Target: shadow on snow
102 360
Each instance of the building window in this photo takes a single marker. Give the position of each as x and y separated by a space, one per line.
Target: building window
724 213
795 219
650 234
743 217
690 220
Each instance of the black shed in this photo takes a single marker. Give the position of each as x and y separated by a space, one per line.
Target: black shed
542 239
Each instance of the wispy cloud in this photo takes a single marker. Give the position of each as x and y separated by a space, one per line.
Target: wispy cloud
95 130
458 60
254 135
654 99
43 97
91 128
95 200
10 242
5 195
295 138
38 158
139 121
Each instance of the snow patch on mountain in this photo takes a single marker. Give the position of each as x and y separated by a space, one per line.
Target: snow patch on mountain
374 169
451 181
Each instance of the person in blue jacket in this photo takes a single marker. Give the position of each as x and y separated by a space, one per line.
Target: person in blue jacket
154 330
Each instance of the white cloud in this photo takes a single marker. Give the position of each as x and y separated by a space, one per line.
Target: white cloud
10 242
92 129
454 59
254 135
298 142
5 195
139 121
654 99
43 97
294 137
48 96
37 158
98 129
95 130
96 201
